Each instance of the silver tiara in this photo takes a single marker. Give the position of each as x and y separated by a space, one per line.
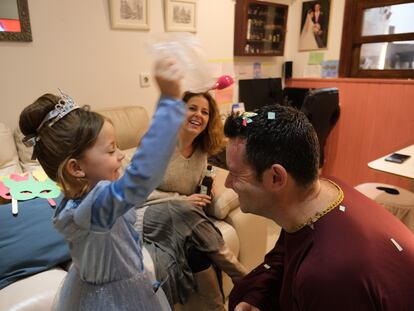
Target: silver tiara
65 105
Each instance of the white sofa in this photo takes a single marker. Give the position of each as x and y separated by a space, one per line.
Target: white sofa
245 234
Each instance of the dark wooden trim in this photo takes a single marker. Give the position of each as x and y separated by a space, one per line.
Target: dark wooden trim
346 45
240 27
355 53
409 36
353 80
404 73
352 41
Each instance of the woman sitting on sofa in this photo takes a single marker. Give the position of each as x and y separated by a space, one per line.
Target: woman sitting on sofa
184 244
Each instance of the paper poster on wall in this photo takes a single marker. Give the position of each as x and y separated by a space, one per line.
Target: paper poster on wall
224 96
219 67
243 71
228 68
315 58
329 69
270 70
224 100
312 71
257 70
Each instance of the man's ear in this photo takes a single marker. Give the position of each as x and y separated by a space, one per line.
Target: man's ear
278 176
74 169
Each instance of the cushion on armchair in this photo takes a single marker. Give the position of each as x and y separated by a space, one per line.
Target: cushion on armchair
130 123
225 200
223 203
9 160
29 243
25 153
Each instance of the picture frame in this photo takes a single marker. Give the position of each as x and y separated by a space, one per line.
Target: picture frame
314 26
129 14
23 19
181 15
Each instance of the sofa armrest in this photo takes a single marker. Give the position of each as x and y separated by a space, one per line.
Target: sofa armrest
25 153
34 293
130 123
252 233
225 200
9 159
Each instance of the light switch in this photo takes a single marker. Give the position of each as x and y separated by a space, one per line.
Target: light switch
144 79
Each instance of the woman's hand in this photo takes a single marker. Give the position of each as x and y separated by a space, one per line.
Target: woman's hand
244 306
199 200
168 76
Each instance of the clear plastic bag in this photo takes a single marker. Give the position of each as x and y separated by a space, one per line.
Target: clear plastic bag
190 58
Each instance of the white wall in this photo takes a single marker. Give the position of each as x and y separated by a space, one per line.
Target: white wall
74 48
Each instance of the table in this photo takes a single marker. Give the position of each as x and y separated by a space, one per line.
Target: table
405 169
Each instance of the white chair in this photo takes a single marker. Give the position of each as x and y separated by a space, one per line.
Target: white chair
399 201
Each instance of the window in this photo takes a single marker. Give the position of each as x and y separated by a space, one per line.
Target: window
378 39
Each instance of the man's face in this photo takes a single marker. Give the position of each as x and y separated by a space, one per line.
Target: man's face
242 178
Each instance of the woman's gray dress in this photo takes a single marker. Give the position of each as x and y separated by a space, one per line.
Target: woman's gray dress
170 226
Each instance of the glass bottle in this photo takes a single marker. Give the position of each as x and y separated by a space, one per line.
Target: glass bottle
207 182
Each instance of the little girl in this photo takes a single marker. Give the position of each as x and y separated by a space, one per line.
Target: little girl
77 149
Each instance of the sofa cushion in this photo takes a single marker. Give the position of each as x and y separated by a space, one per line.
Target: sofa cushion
130 123
222 204
29 243
25 153
225 200
9 159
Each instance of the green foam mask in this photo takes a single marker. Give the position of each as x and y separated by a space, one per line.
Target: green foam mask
30 188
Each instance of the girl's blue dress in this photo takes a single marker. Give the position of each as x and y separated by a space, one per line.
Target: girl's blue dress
107 271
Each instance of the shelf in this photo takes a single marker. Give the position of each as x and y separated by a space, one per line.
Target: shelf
260 28
272 27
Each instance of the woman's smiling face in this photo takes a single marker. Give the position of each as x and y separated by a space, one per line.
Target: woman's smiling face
198 114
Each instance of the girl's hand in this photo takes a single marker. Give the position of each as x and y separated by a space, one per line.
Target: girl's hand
199 200
168 76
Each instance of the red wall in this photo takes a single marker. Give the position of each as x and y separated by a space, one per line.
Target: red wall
377 117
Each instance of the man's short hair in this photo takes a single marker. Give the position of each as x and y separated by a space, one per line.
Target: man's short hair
278 135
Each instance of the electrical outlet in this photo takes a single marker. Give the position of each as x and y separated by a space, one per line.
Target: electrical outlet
144 79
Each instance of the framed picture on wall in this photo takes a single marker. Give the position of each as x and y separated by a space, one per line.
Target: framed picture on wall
129 14
314 25
181 15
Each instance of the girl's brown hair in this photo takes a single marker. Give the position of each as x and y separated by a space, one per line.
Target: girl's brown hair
68 138
211 140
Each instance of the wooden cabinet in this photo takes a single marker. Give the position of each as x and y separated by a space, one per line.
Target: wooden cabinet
260 28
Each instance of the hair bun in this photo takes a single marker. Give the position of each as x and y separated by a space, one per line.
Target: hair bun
33 115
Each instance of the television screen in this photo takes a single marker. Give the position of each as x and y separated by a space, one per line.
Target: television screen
255 93
11 25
